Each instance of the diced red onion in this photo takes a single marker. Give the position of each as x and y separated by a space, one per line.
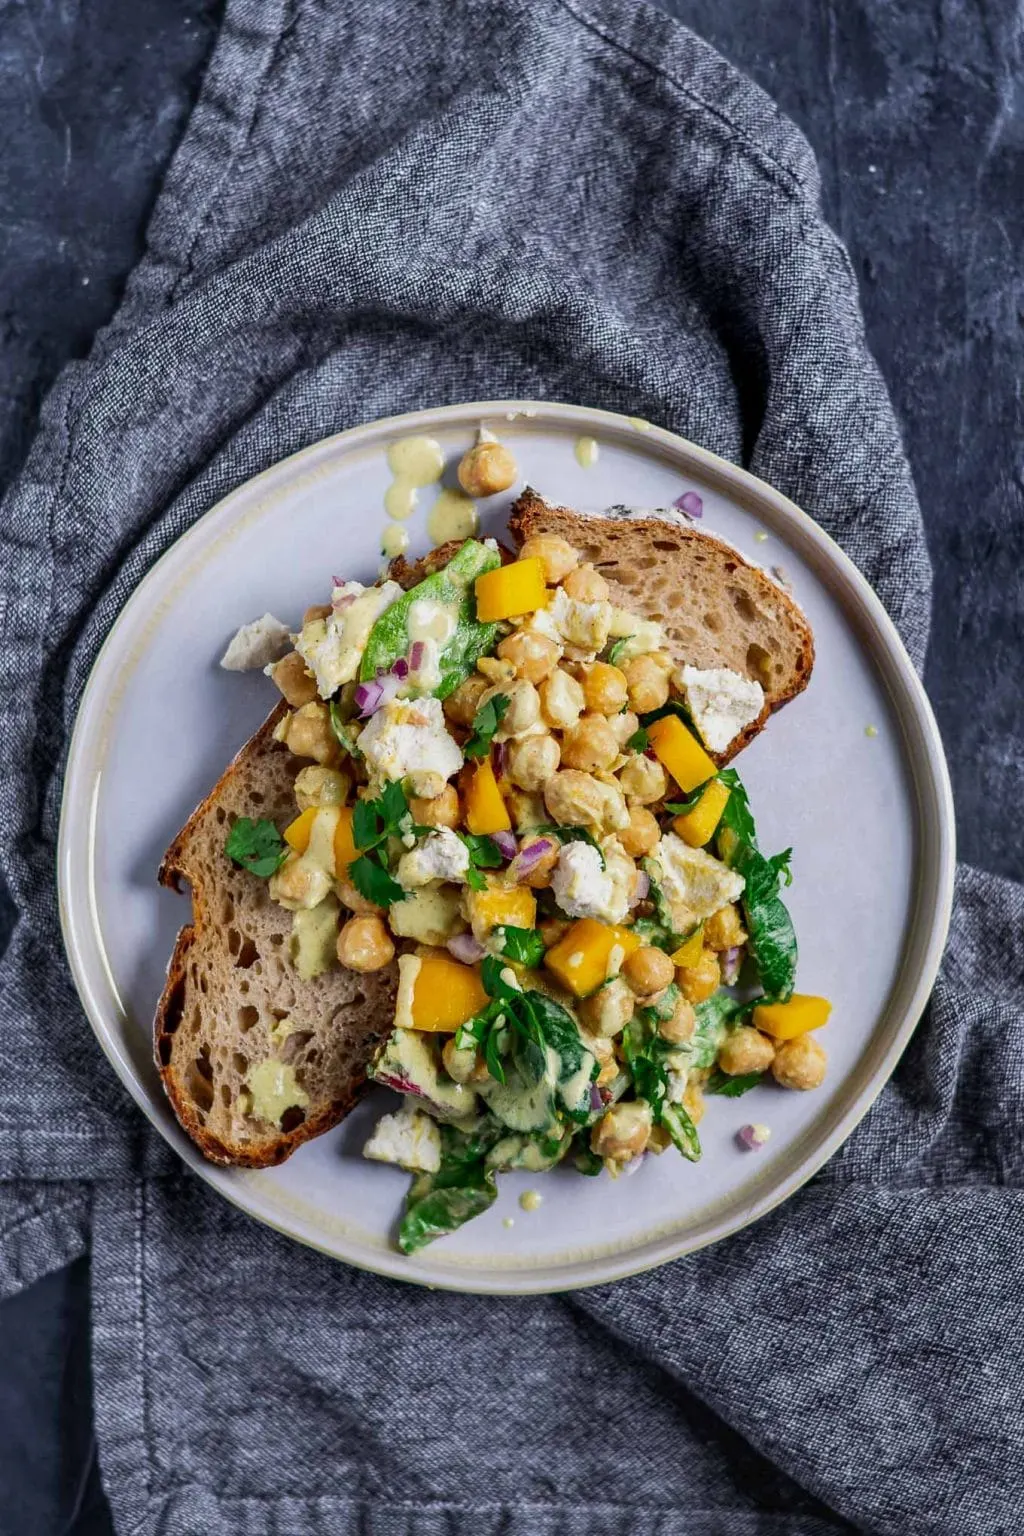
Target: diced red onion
596 1101
634 1165
650 752
690 503
606 1095
528 858
465 948
642 888
416 654
499 758
401 668
368 698
752 1137
337 581
731 961
506 844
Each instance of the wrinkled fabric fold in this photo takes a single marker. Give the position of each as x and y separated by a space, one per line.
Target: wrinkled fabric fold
376 208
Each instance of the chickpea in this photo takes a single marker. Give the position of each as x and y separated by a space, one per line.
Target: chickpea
660 1140
308 733
364 944
440 810
586 585
693 1102
532 761
745 1050
353 899
541 868
698 982
643 780
589 744
533 656
552 929
800 1063
523 709
317 612
604 688
316 786
486 469
526 810
680 1027
642 834
461 706
648 970
299 884
575 799
624 725
561 700
603 1053
496 669
425 783
292 678
623 1132
557 556
723 929
647 682
607 1011
460 1065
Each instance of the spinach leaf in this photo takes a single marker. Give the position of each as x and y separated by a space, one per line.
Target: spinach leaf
732 1087
523 945
713 1019
671 940
585 1161
256 846
639 741
772 938
453 588
525 1024
535 1153
645 1054
441 1202
486 721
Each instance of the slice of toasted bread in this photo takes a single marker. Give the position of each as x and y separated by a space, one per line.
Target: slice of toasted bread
230 983
716 609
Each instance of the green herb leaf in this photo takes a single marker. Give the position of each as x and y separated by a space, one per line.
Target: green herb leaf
681 807
484 853
256 846
365 824
523 945
585 1161
565 835
441 1202
639 742
345 730
494 983
732 1087
372 880
682 1130
773 945
486 721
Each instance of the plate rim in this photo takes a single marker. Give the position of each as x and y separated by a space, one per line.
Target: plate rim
933 884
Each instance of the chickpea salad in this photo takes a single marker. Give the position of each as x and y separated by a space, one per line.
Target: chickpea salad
509 791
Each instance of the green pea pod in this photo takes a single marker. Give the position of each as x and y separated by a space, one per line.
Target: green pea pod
452 587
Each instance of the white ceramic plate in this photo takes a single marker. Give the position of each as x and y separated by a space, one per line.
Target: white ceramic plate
869 817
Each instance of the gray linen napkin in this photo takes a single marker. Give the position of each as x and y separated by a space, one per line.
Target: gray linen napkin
376 207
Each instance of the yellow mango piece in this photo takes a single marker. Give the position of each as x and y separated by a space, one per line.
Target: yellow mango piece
296 833
345 850
697 826
445 994
680 753
510 590
511 906
485 810
785 1021
580 958
691 949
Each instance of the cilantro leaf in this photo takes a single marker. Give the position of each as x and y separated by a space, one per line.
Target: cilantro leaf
256 846
523 945
732 1087
486 721
372 880
484 853
639 741
680 807
365 824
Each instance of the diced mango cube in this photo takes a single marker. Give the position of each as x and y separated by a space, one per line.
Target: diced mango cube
445 994
697 826
785 1021
580 959
691 949
296 833
680 753
511 906
345 850
510 590
485 811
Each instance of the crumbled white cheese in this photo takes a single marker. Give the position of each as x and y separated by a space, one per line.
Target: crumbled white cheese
408 734
442 855
332 648
695 884
584 626
643 635
721 703
258 644
409 1139
582 888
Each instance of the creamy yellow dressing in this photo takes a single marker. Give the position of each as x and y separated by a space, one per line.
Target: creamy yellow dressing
394 541
312 945
414 462
453 516
639 423
587 452
408 969
531 1199
274 1088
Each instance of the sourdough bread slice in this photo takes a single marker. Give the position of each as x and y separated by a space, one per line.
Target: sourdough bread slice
716 609
234 1003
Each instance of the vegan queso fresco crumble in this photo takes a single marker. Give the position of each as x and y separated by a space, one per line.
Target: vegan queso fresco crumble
509 792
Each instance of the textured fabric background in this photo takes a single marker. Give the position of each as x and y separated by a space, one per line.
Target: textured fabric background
583 203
